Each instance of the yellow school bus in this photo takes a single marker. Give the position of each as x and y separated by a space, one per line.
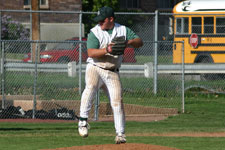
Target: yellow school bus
201 25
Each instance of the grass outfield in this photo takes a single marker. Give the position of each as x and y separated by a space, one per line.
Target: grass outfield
203 115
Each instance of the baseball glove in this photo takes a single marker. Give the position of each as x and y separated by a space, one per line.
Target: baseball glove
119 45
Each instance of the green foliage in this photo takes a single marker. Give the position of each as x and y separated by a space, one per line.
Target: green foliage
13 30
93 6
14 56
100 3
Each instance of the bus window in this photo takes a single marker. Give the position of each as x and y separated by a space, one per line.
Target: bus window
170 26
178 25
196 25
220 25
182 25
208 24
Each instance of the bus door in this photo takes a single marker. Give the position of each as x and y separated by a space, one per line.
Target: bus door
181 32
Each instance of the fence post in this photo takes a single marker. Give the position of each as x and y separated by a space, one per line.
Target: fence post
3 73
183 79
35 83
148 70
155 53
97 101
72 69
2 63
80 53
0 27
31 34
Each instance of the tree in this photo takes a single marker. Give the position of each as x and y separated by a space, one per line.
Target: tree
13 30
93 6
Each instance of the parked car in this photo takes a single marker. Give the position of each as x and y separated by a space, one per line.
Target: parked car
67 52
62 53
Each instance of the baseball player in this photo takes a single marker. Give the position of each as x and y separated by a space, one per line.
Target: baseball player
106 44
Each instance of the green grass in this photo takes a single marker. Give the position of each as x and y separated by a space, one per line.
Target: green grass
14 56
136 90
162 59
60 86
202 115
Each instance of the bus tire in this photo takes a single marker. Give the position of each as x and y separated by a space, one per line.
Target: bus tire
207 59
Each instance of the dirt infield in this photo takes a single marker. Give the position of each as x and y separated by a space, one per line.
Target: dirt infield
127 146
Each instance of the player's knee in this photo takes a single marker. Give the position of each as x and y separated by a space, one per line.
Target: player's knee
116 104
91 87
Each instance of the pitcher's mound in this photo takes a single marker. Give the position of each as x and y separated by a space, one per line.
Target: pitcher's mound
127 146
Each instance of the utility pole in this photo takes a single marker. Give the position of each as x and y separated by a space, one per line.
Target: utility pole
35 29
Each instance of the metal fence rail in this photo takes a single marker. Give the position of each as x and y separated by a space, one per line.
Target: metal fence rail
193 68
125 69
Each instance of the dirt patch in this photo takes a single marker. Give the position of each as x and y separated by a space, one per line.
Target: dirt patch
127 146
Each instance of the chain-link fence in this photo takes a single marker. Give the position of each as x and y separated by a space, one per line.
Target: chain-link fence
40 88
152 76
50 83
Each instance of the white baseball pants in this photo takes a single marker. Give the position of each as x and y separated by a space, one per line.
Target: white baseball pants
95 77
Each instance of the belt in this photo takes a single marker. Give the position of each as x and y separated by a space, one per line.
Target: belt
113 70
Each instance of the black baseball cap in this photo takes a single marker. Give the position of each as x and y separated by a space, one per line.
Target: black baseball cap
103 13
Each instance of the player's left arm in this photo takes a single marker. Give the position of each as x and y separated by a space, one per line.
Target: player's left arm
136 43
133 39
